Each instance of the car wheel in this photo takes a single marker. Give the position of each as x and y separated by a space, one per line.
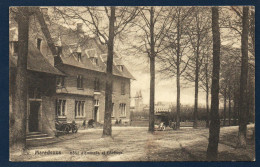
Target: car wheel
74 129
67 129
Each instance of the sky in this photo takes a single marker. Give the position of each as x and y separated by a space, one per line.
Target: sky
165 89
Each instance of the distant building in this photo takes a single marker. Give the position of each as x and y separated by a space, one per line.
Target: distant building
138 102
160 108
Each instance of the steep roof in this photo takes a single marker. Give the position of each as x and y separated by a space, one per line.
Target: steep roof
72 41
36 61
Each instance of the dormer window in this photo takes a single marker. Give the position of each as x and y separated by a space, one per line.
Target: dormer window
78 56
14 47
59 81
94 60
59 50
120 67
92 54
39 41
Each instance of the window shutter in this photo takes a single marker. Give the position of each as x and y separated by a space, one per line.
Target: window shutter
82 108
63 107
79 103
76 104
77 81
56 107
62 81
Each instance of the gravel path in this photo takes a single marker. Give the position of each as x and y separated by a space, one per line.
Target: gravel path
136 144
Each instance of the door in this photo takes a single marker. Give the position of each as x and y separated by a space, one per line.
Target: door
95 113
34 116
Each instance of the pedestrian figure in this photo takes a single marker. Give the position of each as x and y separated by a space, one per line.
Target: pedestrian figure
84 124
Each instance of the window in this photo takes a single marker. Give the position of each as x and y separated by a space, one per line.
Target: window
14 46
121 67
79 108
96 102
59 50
122 109
39 41
78 54
92 54
59 81
122 88
94 60
79 82
113 112
60 107
96 84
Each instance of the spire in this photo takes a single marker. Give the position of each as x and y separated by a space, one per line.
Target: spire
136 94
140 94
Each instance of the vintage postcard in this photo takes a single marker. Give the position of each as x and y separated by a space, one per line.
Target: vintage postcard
132 83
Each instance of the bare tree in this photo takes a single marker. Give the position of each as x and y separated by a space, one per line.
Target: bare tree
149 33
106 23
228 77
243 80
205 80
224 94
19 114
200 43
214 128
174 61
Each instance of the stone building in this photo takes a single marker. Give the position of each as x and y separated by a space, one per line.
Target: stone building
72 83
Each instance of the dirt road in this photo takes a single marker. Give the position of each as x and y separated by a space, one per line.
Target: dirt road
135 144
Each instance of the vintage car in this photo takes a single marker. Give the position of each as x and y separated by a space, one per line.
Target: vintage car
66 127
160 127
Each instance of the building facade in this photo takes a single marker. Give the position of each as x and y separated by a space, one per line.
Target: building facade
69 86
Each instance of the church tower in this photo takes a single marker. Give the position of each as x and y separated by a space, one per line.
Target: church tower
138 101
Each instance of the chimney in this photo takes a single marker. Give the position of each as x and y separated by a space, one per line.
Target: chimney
44 11
80 29
45 15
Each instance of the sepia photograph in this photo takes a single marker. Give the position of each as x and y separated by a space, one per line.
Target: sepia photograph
131 83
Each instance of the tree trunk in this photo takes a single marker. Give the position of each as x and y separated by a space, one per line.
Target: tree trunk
47 35
19 115
195 114
45 30
214 128
225 106
229 105
178 77
207 93
107 128
243 80
207 105
152 73
178 100
236 112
